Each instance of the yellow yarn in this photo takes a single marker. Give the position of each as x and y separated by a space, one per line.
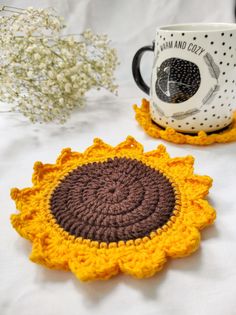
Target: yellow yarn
142 115
143 257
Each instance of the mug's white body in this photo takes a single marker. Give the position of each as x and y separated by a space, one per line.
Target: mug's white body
193 83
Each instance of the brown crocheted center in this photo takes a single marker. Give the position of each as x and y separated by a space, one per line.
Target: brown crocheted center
120 199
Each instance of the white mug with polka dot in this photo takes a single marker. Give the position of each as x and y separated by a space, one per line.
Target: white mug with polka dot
193 84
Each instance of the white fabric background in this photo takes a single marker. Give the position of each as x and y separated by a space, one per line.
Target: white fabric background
202 284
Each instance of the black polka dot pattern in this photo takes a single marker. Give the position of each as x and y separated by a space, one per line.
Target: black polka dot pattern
213 115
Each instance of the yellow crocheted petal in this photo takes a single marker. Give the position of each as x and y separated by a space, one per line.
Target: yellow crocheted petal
199 213
158 154
129 147
67 160
44 172
181 240
67 156
180 167
15 193
50 252
169 134
98 149
24 226
196 186
28 201
143 263
157 158
93 266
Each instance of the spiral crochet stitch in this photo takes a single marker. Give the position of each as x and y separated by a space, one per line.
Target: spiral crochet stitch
113 209
120 199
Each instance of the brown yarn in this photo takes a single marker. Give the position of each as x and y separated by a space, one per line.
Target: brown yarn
120 199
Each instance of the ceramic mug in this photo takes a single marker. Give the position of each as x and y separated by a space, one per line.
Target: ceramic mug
193 82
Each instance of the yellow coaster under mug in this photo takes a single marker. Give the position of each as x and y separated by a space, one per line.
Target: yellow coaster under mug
113 209
142 115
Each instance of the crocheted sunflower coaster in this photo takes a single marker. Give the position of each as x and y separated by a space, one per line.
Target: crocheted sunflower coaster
113 209
143 117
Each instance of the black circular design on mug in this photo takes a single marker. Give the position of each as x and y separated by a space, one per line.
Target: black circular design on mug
177 80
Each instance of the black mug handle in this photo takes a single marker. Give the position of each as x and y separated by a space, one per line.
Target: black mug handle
136 68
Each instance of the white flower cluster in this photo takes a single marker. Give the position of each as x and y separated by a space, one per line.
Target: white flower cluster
44 75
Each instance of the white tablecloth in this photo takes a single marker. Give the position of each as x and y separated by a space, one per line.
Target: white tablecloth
202 284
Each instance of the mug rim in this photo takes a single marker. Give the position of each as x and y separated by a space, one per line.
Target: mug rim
198 27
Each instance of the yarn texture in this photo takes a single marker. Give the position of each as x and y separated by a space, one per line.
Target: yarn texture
113 209
142 115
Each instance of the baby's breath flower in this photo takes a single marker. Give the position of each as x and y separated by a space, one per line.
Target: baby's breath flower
45 75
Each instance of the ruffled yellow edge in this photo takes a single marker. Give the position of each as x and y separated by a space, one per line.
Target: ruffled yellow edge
143 257
143 117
